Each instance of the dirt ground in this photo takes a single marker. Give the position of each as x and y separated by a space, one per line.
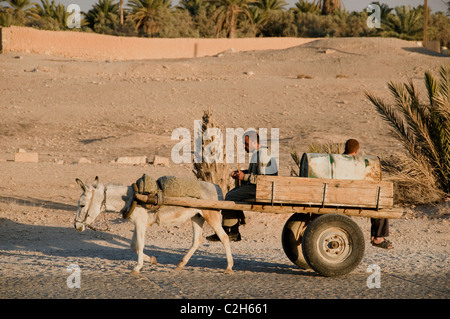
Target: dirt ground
67 109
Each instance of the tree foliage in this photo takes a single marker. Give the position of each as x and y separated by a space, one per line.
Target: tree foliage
104 15
422 127
230 18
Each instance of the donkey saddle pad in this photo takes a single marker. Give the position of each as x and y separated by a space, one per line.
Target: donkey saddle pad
146 185
173 186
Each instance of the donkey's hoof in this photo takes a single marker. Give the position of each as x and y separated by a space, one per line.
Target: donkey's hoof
135 271
150 259
228 271
179 268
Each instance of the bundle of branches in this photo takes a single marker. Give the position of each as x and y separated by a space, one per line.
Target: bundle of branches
424 131
414 181
214 172
327 147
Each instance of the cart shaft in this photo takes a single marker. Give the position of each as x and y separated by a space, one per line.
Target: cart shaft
391 213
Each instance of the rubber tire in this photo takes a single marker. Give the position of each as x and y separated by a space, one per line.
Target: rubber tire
292 235
322 262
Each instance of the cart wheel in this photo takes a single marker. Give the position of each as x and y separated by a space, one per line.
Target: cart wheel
292 235
333 245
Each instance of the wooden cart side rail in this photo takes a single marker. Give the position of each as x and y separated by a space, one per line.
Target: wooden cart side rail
324 192
392 213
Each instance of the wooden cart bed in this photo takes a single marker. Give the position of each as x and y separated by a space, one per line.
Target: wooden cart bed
281 195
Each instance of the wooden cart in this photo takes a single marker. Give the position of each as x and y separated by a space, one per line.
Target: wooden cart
319 234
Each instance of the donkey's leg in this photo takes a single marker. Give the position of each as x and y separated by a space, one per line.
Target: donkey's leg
138 240
138 246
214 218
197 225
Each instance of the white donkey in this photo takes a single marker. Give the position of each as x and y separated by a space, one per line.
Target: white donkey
97 198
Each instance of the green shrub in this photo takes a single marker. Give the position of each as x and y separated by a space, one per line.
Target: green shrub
424 131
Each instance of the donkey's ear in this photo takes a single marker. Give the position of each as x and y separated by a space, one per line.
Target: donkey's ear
79 182
95 181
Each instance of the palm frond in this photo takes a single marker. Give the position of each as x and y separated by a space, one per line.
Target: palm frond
444 85
431 85
396 121
423 129
414 179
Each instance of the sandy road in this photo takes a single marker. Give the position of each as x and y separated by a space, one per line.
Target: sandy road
65 109
39 270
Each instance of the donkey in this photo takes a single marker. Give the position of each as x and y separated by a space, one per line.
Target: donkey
98 198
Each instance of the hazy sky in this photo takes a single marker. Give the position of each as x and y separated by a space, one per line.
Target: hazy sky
350 5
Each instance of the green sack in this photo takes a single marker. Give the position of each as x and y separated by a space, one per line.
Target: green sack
146 185
179 186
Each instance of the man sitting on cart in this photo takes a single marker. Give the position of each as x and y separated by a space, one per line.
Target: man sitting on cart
379 226
260 164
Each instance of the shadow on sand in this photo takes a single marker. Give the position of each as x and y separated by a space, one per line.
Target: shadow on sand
67 242
18 239
35 202
425 51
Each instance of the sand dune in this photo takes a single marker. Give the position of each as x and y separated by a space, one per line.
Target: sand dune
65 109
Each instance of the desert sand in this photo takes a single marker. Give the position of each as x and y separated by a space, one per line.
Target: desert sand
67 109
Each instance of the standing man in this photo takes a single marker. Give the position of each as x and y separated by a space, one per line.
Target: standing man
379 226
260 164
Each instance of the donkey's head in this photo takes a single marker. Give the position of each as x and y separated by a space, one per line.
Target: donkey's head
90 204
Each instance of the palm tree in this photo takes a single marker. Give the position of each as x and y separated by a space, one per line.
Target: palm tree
306 6
267 5
103 14
51 12
257 16
423 129
330 6
261 10
61 15
193 6
228 12
21 10
144 14
121 11
20 5
6 17
45 9
407 22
